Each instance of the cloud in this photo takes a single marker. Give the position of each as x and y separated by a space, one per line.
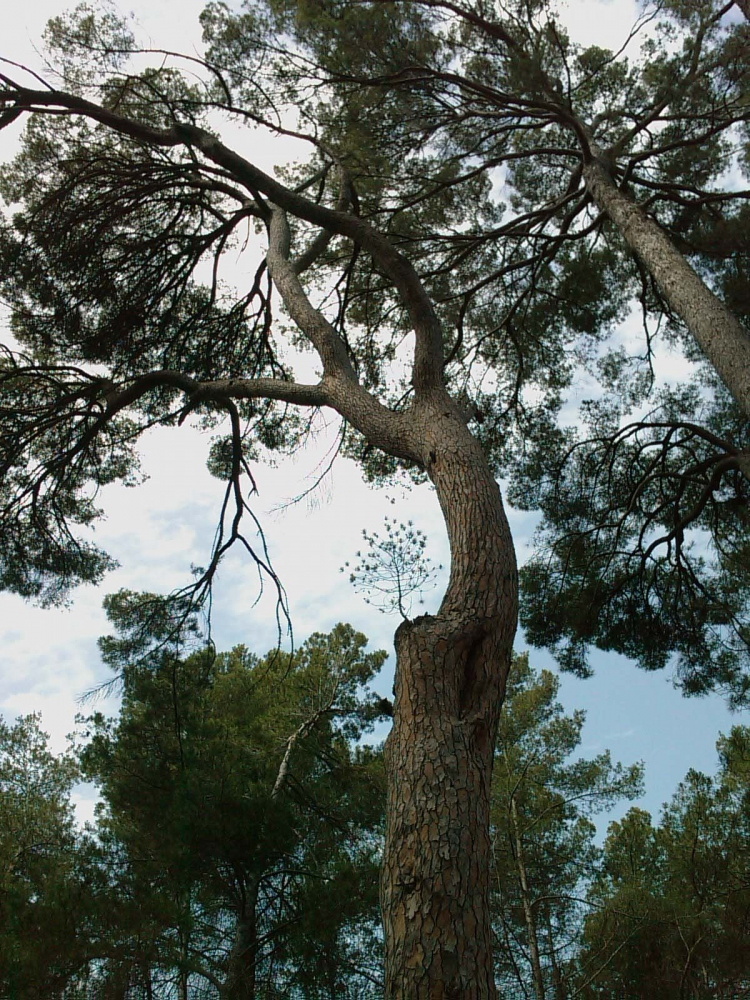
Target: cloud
85 799
624 735
599 22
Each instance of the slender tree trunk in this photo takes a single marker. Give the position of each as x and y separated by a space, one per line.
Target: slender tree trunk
718 332
184 974
520 978
148 984
557 976
241 978
450 681
528 908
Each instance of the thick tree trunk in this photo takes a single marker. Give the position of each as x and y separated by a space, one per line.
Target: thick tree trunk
718 332
450 681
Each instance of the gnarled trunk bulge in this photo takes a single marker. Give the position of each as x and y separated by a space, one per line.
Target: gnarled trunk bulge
450 681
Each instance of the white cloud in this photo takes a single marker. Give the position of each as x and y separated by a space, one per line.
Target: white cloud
606 23
85 798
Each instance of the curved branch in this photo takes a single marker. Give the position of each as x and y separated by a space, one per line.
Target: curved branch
326 341
384 428
428 353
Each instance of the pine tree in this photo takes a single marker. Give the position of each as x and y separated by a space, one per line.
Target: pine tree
412 111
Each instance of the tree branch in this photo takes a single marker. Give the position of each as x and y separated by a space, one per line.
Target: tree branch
326 341
384 428
321 241
428 353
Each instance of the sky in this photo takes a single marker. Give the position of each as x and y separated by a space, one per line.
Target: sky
159 529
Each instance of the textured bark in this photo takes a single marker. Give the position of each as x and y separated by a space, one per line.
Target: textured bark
450 680
450 674
718 332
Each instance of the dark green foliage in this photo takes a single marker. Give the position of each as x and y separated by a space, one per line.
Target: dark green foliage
191 844
47 877
672 901
644 544
544 849
237 798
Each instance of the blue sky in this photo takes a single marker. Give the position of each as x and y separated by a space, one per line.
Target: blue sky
159 529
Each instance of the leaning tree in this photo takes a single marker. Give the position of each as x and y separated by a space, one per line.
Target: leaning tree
116 329
445 335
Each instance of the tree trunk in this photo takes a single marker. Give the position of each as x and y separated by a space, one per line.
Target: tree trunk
450 681
718 332
557 976
148 984
528 909
241 978
184 975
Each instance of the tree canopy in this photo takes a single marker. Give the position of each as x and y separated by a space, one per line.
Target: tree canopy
43 883
498 157
235 846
